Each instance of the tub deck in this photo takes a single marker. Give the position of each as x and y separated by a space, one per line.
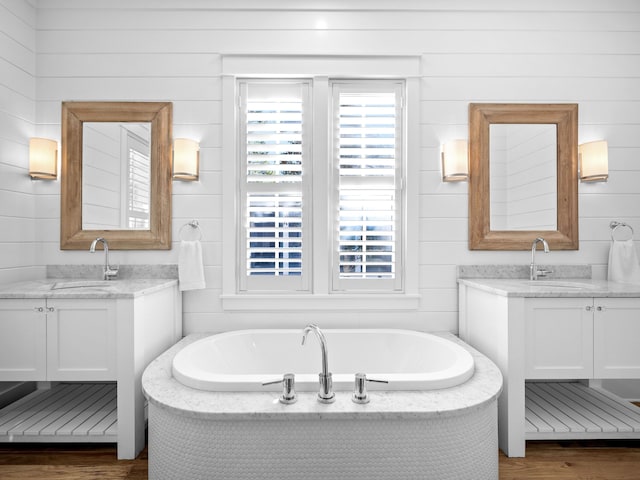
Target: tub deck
164 391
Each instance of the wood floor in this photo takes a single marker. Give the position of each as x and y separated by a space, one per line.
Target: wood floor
593 460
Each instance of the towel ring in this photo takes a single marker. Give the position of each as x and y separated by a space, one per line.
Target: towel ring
193 224
615 225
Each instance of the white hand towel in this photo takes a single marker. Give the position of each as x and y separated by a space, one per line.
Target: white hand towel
623 262
190 267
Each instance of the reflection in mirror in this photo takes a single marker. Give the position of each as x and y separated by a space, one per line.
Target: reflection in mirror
116 176
523 180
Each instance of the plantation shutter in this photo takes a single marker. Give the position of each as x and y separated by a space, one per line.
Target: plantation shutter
368 179
274 120
138 183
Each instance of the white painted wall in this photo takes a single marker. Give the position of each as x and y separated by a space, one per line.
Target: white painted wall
18 242
584 51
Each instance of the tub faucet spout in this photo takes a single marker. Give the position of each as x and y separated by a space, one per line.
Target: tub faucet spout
325 394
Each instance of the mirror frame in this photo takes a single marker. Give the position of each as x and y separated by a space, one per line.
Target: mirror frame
565 117
74 114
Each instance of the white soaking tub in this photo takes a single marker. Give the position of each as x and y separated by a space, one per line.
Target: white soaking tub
245 359
443 432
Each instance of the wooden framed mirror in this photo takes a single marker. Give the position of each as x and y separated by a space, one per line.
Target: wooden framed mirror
561 185
134 155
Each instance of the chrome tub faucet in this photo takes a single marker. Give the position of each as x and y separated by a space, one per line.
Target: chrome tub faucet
109 271
325 394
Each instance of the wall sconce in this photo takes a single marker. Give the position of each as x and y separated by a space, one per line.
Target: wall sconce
455 161
593 159
186 159
43 159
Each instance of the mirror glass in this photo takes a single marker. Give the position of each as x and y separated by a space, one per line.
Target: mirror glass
116 176
523 175
523 180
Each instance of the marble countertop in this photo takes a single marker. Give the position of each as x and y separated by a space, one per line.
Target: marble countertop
552 287
166 392
119 288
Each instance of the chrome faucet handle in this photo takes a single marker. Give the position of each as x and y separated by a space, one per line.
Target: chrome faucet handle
360 394
543 272
110 272
288 388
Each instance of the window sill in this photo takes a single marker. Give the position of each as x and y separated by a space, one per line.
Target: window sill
341 302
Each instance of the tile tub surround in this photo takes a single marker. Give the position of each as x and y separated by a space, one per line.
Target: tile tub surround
448 433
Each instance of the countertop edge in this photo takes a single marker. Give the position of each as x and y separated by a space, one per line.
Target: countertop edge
41 289
509 287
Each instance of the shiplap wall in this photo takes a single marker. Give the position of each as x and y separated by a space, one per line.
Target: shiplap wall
584 51
17 124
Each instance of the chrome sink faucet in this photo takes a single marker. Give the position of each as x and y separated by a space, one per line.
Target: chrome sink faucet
109 271
534 272
325 394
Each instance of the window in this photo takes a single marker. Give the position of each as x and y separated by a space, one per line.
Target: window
357 186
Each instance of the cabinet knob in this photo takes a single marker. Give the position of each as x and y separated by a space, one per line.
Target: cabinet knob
38 309
588 308
600 309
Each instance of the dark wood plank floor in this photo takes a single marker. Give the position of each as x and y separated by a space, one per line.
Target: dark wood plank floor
594 460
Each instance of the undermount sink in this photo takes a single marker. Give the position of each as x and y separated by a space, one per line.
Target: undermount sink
82 284
559 284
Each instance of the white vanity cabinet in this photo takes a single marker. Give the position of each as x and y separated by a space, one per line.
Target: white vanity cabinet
563 343
616 333
88 349
559 338
57 340
583 338
23 340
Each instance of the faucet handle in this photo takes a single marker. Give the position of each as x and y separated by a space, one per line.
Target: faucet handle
360 394
288 388
543 272
111 272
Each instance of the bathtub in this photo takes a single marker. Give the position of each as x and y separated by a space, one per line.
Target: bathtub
246 359
443 432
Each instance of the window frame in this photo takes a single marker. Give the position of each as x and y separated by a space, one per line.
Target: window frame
319 69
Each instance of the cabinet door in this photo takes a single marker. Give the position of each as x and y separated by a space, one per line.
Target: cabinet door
616 348
23 344
81 340
559 338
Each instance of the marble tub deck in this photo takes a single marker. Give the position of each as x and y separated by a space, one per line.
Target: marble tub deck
164 391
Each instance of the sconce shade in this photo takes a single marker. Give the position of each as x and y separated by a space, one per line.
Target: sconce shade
455 161
594 161
186 159
43 158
